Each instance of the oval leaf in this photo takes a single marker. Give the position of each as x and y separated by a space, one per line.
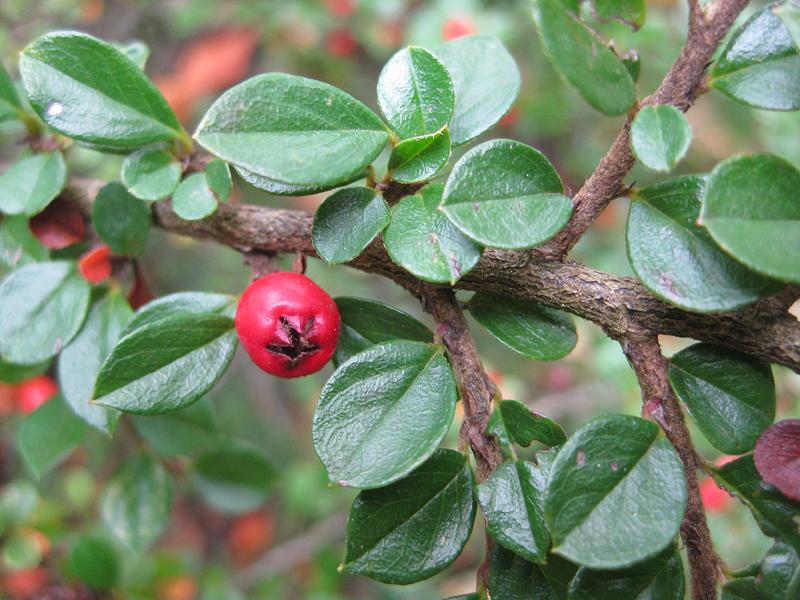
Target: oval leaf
731 396
122 221
234 479
506 195
284 189
183 433
777 457
779 573
513 422
182 303
616 493
48 435
367 427
415 527
32 183
10 106
660 137
511 577
95 562
346 222
218 176
420 158
151 174
194 199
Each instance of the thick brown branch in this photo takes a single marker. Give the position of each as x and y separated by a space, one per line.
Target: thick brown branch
680 87
661 405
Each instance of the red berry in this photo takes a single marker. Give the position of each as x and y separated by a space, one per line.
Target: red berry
34 392
341 43
95 265
714 498
59 225
340 8
457 27
25 583
288 324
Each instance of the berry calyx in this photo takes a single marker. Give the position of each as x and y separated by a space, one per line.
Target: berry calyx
34 392
287 324
95 265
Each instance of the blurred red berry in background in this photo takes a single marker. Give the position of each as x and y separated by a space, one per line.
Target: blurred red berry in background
34 392
458 26
340 8
341 43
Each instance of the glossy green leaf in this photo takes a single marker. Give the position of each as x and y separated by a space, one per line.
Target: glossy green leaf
383 413
234 479
630 12
81 359
137 502
660 137
122 220
420 158
18 246
47 436
779 573
88 90
194 198
731 396
367 322
511 577
42 306
511 500
218 176
659 578
743 588
284 189
506 195
678 260
616 493
151 174
789 13
32 183
760 66
486 81
513 422
583 59
415 527
95 562
10 106
421 239
415 93
346 222
186 432
749 199
181 303
167 364
776 515
535 331
297 131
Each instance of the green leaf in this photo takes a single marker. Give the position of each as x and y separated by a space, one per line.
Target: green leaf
18 500
95 562
346 222
731 396
659 578
122 220
32 183
511 499
415 527
749 199
420 158
136 51
535 331
506 195
629 12
616 493
182 303
218 176
415 93
421 239
760 66
367 428
486 81
779 574
88 90
660 137
743 588
511 577
151 174
513 422
297 131
21 550
776 515
367 322
80 361
789 13
167 364
193 199
42 306
284 189
583 59
11 373
18 246
10 106
182 433
48 435
234 479
686 267
137 502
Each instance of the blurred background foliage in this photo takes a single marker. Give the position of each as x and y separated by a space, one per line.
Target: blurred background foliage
291 547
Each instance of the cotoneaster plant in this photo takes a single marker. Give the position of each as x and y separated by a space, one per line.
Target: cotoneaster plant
612 511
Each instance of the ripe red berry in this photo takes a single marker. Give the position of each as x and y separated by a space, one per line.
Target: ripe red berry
288 324
34 392
95 265
341 43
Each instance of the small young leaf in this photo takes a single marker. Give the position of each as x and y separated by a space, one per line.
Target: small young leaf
42 306
122 221
513 422
88 90
366 427
167 364
194 199
486 81
660 137
420 158
346 222
421 239
183 433
616 493
151 174
731 396
234 479
760 66
137 502
48 435
175 305
415 527
749 199
33 183
511 577
779 573
218 175
95 562
415 93
535 331
582 59
777 457
10 106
